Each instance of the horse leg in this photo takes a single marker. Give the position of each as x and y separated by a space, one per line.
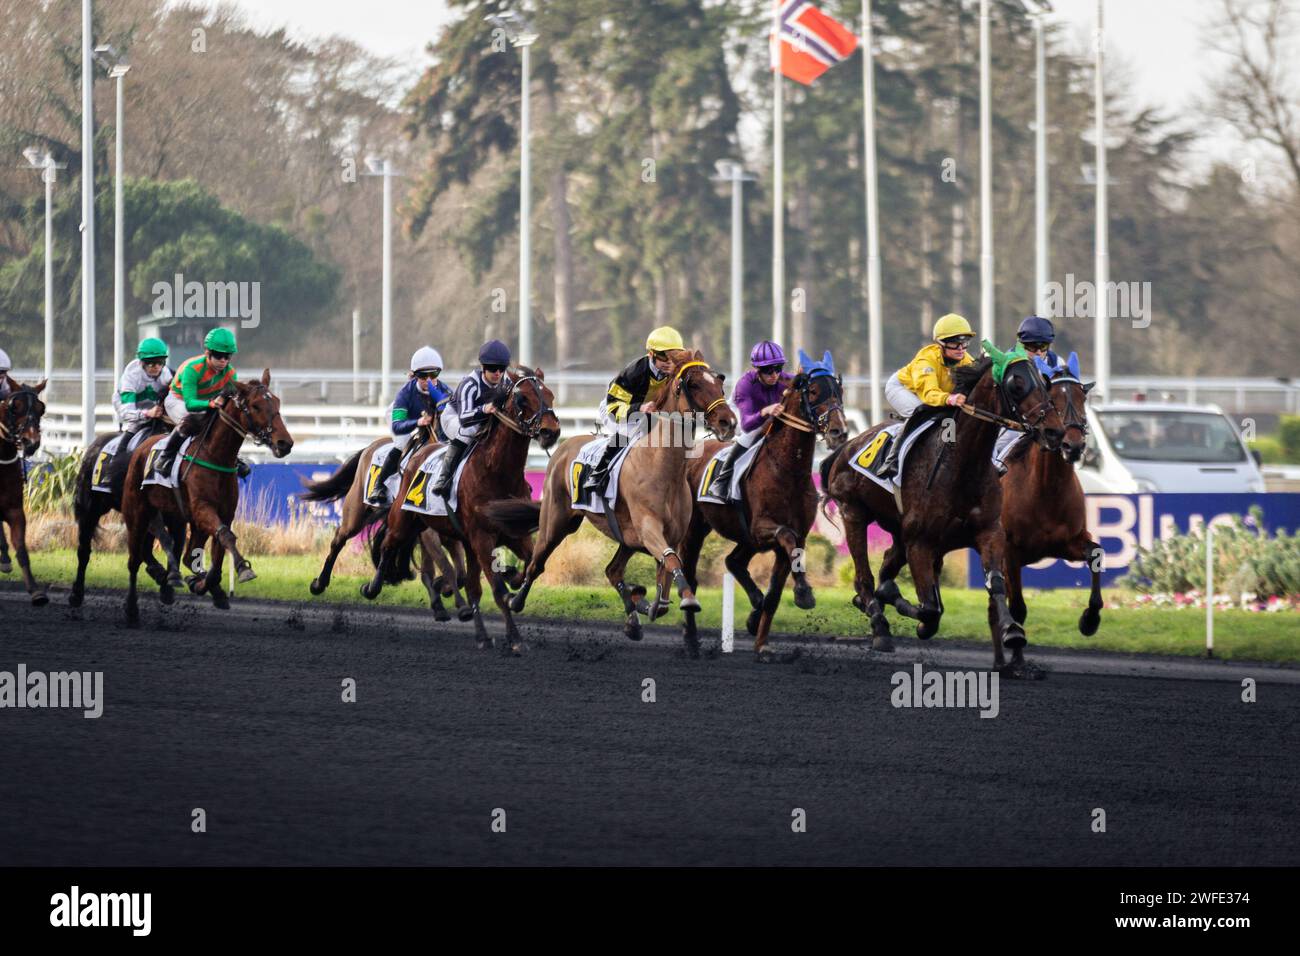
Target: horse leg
86 525
922 562
158 532
864 584
803 592
18 527
737 562
634 605
1083 548
474 592
559 524
137 541
695 536
771 601
1005 631
431 581
176 551
1015 592
670 564
5 564
887 591
481 546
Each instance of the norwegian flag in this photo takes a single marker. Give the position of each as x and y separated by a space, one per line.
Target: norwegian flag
807 41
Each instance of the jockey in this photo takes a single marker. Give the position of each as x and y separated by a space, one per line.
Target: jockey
5 380
757 396
927 379
196 388
630 396
1036 334
417 403
140 392
469 408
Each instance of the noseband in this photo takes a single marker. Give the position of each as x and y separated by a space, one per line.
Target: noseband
261 436
531 426
677 390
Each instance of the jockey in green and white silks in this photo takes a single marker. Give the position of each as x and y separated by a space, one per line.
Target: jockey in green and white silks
138 401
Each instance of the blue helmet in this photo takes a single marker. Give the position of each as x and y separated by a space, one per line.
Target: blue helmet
495 352
1036 329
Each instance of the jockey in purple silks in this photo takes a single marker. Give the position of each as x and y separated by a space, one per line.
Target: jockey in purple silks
756 396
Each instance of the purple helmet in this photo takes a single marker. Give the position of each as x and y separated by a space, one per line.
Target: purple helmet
766 353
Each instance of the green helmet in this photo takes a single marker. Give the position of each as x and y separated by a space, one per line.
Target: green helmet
151 349
220 340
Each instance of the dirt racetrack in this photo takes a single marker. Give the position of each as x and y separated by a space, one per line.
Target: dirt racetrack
240 713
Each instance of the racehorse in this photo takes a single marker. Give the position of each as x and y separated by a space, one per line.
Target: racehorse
493 469
20 437
1044 513
89 506
207 492
951 499
441 570
653 509
779 503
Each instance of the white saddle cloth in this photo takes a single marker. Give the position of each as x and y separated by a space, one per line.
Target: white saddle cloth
864 459
738 473
589 456
419 499
151 477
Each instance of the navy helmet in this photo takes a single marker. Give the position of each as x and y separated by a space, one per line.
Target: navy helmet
495 352
1036 329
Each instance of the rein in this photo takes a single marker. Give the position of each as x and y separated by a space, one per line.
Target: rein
261 436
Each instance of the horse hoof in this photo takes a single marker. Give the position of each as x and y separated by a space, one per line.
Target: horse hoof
246 574
1014 636
632 631
193 582
440 614
764 655
887 593
166 595
804 600
751 623
883 643
1089 621
642 606
689 603
40 599
6 566
927 629
174 580
485 644
75 599
367 593
517 602
317 587
221 602
132 617
465 613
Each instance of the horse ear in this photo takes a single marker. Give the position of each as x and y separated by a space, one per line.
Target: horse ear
266 376
828 361
40 386
722 376
1088 387
541 376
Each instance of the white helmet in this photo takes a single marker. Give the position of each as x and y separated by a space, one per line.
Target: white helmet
426 358
4 361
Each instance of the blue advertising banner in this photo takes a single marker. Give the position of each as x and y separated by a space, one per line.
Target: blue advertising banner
1123 523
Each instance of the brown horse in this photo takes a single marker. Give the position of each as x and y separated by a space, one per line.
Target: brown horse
442 573
653 510
1044 513
493 470
208 492
779 502
951 499
20 438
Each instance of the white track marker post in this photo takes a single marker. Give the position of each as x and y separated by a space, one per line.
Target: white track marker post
1209 589
728 614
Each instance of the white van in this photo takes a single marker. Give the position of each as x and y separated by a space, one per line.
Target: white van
1142 447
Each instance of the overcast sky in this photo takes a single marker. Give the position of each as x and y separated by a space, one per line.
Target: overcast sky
1155 43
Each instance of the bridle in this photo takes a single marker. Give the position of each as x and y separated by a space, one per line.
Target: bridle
261 436
810 420
678 380
1072 418
12 427
531 426
1030 421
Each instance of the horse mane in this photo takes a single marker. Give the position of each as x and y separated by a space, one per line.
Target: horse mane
966 377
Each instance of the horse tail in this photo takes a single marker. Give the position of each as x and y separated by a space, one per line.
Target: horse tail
827 463
403 565
515 517
82 507
336 485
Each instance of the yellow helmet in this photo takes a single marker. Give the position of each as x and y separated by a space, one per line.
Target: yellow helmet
950 325
663 339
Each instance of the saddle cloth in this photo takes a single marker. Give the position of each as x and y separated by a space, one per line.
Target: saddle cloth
152 478
418 498
100 479
738 472
869 460
588 457
394 481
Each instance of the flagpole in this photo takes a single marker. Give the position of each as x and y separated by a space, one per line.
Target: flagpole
874 335
778 191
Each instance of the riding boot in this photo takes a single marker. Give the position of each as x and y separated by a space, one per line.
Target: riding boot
594 483
242 468
721 485
164 459
379 495
890 465
450 459
118 462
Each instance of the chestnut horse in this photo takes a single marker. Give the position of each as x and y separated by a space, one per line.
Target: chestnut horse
493 470
1044 513
20 437
442 573
653 510
779 502
208 491
951 499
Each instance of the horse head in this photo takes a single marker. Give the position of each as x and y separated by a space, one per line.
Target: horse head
20 417
528 401
820 398
1070 397
695 388
259 413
